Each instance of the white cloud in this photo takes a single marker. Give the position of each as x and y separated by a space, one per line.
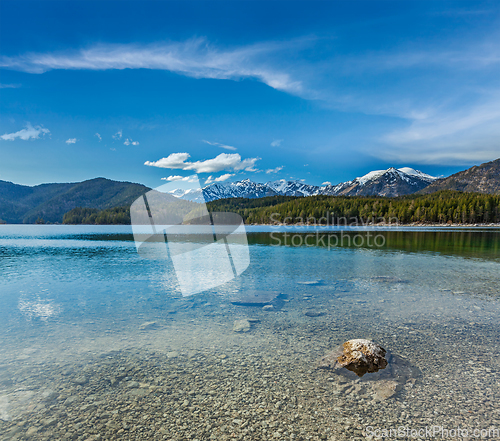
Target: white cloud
222 146
326 183
276 142
195 58
275 170
224 177
71 141
98 136
224 161
118 135
27 133
175 178
9 86
221 178
130 142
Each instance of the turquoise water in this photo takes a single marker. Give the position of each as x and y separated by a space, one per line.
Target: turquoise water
69 295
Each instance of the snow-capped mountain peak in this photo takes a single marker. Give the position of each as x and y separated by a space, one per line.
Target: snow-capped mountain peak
370 176
279 185
390 182
418 173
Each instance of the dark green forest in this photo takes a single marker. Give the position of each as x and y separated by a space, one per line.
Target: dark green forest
93 216
440 207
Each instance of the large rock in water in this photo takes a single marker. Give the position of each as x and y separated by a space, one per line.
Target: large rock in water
356 358
359 356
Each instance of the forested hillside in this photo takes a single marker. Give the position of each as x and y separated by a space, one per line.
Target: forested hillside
440 207
93 216
49 202
484 178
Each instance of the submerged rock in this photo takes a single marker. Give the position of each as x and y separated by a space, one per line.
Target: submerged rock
314 313
359 356
148 325
388 279
311 282
254 298
385 389
81 380
241 325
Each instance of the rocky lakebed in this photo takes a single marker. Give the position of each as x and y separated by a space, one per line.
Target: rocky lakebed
211 368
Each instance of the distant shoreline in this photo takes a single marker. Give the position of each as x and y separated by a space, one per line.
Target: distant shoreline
378 226
382 225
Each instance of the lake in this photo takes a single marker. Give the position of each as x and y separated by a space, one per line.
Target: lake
99 342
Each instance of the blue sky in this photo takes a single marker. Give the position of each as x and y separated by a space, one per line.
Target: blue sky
320 91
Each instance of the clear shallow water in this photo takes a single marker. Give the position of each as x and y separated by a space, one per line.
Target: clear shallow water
79 302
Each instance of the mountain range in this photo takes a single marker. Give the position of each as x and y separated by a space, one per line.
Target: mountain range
390 182
49 202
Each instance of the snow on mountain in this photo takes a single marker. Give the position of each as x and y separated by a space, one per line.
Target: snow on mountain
292 188
193 195
390 182
278 186
417 173
370 176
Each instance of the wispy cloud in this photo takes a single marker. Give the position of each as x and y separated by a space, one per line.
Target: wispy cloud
462 136
439 125
195 58
224 161
275 170
130 142
428 90
71 141
118 135
222 146
9 86
98 136
326 183
29 132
